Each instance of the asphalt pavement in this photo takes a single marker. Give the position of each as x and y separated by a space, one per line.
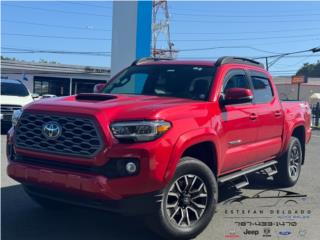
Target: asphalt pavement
260 211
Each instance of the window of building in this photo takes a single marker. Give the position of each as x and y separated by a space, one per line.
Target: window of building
51 85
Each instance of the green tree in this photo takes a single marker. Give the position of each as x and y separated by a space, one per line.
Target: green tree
7 58
39 61
310 69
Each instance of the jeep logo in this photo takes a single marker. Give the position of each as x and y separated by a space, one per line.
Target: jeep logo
251 232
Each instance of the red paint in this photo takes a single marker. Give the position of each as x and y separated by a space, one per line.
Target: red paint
238 93
262 129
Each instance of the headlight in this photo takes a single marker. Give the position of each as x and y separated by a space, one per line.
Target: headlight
16 116
139 131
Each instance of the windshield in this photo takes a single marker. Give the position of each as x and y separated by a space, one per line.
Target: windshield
181 81
14 89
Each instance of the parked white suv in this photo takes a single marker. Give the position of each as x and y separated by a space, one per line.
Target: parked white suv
14 95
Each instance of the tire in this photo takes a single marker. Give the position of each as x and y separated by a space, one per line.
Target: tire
289 166
188 202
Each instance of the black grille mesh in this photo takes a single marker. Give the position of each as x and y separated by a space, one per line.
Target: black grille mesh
79 137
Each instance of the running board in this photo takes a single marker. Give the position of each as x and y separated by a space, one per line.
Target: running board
272 171
246 171
243 183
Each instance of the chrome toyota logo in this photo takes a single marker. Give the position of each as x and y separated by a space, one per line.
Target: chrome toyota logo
51 130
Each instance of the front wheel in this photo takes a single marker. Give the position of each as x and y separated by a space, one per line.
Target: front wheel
188 202
289 166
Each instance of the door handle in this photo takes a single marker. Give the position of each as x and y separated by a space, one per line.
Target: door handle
277 113
253 116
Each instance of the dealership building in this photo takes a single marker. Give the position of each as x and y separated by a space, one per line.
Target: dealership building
56 79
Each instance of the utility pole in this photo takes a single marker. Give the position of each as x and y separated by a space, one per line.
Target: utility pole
267 64
160 26
277 57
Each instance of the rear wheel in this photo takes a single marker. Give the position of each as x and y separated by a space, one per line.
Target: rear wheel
289 166
188 202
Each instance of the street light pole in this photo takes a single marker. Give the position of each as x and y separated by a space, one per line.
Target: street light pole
267 64
314 50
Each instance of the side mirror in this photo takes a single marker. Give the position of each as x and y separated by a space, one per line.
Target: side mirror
237 95
98 87
35 95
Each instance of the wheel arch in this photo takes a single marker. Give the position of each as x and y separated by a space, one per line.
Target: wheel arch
189 144
300 133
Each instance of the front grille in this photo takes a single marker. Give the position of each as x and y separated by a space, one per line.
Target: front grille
56 165
7 111
9 108
79 135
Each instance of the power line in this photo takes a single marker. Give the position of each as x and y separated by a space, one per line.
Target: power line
58 26
242 46
55 36
243 16
298 62
287 53
32 49
278 57
58 53
58 11
253 57
60 72
27 51
255 21
249 32
18 63
88 5
213 8
291 70
245 39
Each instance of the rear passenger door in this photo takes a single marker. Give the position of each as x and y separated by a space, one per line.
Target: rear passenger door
270 116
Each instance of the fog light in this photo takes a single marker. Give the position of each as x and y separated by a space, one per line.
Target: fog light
131 167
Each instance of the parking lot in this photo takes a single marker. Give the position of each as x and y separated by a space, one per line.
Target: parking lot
259 211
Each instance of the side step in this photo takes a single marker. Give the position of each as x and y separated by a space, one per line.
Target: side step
248 170
271 171
243 183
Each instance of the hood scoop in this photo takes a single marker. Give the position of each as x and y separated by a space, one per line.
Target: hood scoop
95 96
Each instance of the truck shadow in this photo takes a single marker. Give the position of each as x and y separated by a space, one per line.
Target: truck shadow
23 219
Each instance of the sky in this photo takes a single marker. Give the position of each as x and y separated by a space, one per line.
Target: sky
250 29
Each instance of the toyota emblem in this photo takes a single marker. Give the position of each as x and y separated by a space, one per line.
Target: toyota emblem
51 130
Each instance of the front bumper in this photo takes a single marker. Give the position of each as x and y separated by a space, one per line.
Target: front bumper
69 178
138 205
74 182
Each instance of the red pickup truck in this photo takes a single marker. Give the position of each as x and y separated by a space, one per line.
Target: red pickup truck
158 139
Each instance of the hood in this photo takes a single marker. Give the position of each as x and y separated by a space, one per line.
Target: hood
15 100
124 107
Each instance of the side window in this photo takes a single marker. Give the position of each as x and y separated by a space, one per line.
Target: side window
235 79
261 88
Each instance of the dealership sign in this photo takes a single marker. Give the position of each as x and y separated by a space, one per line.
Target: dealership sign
298 79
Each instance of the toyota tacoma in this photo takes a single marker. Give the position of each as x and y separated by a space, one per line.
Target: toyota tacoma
158 139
